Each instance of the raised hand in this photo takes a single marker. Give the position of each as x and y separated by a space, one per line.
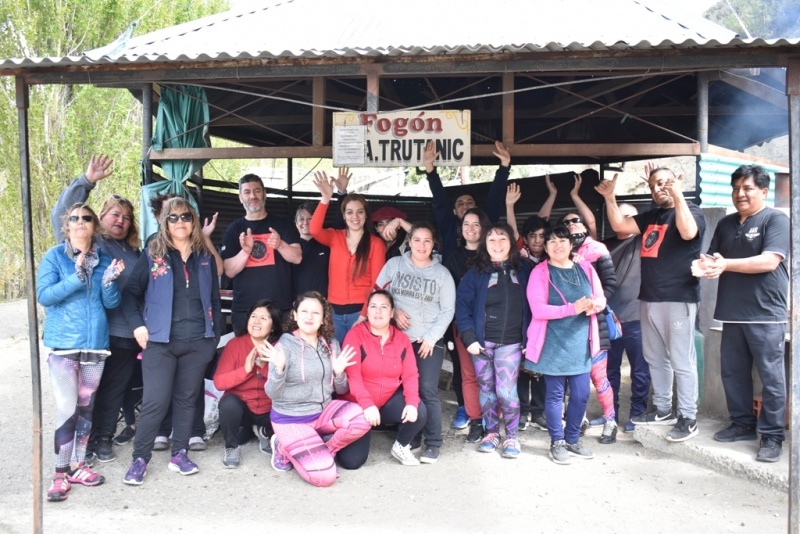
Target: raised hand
429 156
577 187
606 187
502 152
513 194
274 354
343 360
208 228
99 168
342 180
324 184
550 185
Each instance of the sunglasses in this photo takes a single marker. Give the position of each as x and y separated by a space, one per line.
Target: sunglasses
574 220
185 217
85 218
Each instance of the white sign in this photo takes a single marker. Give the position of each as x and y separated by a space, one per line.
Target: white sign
398 139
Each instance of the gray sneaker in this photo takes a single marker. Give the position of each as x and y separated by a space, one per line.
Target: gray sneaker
263 440
577 449
684 429
539 422
231 459
558 452
430 456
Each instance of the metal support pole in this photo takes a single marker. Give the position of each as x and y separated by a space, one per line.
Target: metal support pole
793 91
702 110
147 131
289 188
30 290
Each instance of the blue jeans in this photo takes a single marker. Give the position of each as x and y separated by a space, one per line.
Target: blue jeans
579 387
342 323
631 344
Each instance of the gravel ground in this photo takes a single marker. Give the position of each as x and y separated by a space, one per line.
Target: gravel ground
625 488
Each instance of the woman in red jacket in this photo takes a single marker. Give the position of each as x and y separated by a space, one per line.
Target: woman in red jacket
357 256
384 381
242 374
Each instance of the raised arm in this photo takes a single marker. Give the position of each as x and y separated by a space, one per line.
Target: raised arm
587 216
684 218
619 222
497 190
99 168
513 194
547 207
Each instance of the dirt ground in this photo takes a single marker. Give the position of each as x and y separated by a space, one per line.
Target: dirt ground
625 488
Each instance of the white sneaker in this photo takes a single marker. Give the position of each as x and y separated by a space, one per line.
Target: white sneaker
403 454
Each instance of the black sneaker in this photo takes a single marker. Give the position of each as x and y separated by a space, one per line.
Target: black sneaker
654 417
103 451
683 429
430 456
538 421
125 436
770 450
736 433
609 434
475 433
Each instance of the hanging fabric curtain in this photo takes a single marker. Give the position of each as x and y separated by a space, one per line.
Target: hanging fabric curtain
182 122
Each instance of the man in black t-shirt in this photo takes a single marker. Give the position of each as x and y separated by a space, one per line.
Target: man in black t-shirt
671 238
750 257
257 253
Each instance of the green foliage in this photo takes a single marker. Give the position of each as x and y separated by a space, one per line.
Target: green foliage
67 124
767 19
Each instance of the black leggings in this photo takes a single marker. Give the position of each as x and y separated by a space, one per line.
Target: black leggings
355 455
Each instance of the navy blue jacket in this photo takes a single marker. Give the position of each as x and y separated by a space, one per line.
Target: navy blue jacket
471 304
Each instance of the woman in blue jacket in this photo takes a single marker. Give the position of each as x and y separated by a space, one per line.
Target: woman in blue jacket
492 315
76 284
178 330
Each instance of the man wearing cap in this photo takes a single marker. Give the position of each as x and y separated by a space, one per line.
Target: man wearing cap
393 226
448 217
257 253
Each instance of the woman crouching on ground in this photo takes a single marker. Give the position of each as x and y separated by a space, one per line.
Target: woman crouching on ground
564 298
305 367
242 375
384 381
76 284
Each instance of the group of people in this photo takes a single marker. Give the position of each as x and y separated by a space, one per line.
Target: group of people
343 328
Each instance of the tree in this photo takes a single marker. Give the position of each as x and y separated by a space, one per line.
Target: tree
768 19
70 123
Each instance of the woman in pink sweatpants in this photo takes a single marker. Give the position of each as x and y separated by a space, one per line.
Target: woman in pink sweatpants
305 367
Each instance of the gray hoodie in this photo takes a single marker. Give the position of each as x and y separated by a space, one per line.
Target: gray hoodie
427 294
305 386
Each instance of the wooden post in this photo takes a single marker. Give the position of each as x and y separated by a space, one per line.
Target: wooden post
147 131
508 109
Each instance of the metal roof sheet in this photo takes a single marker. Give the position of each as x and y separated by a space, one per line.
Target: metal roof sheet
365 28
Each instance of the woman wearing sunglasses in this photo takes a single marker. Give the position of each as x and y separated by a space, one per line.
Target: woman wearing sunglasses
117 236
177 327
76 283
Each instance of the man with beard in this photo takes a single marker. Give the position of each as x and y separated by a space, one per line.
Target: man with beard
672 235
257 253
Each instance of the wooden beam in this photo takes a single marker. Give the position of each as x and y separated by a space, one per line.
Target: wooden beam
508 108
757 89
318 112
242 153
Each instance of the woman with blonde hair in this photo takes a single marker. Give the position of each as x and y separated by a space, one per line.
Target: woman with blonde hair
76 283
177 329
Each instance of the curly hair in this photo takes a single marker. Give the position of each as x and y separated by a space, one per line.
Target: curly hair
326 329
162 241
116 201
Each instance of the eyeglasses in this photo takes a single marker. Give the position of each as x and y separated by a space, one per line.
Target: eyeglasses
574 220
186 216
85 218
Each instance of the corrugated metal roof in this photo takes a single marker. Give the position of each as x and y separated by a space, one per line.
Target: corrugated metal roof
715 179
366 28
